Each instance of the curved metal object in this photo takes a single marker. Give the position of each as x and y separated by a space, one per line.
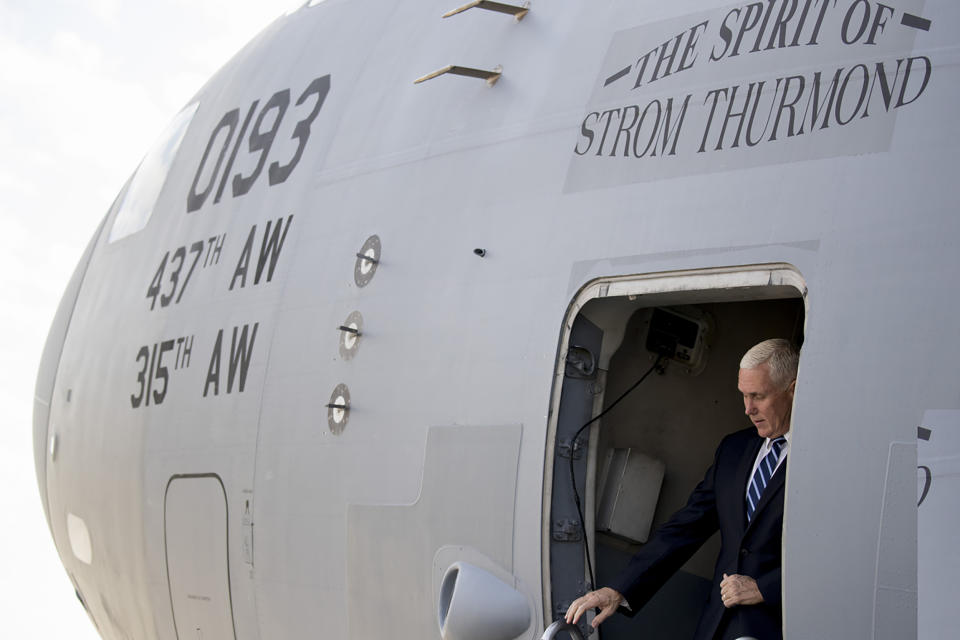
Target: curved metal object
476 605
561 625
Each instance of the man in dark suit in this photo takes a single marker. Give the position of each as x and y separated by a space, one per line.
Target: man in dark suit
741 495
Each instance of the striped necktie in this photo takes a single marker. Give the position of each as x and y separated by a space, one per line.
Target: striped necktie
762 475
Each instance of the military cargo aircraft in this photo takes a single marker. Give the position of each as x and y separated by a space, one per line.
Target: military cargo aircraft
321 368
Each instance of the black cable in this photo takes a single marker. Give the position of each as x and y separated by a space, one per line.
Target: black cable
573 479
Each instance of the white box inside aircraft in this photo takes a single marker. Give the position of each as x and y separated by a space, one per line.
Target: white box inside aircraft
629 490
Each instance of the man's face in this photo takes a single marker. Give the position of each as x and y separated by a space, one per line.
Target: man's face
767 405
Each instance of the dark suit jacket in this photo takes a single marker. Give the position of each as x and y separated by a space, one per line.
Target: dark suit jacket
752 550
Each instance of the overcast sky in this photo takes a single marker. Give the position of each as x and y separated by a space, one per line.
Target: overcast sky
85 88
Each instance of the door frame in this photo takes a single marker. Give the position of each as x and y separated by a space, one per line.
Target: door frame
717 284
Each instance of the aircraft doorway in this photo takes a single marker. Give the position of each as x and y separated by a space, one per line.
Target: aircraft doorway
638 464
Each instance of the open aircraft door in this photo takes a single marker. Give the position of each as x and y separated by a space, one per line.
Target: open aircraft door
668 345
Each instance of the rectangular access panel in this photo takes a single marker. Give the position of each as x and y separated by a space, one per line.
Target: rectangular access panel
198 570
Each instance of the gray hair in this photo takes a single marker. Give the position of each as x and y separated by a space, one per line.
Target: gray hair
779 355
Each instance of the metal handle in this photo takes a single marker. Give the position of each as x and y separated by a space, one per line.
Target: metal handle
561 625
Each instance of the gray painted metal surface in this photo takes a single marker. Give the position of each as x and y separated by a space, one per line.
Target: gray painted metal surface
206 340
567 518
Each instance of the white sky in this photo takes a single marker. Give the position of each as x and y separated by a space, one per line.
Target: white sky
85 88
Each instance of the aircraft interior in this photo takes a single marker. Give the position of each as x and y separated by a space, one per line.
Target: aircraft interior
645 456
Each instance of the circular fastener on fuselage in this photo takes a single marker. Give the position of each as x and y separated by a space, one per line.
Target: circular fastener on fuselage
350 332
338 410
367 260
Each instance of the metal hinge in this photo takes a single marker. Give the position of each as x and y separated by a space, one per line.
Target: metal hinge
581 363
567 531
565 449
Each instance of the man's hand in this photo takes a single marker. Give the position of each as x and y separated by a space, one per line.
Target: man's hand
606 599
737 589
